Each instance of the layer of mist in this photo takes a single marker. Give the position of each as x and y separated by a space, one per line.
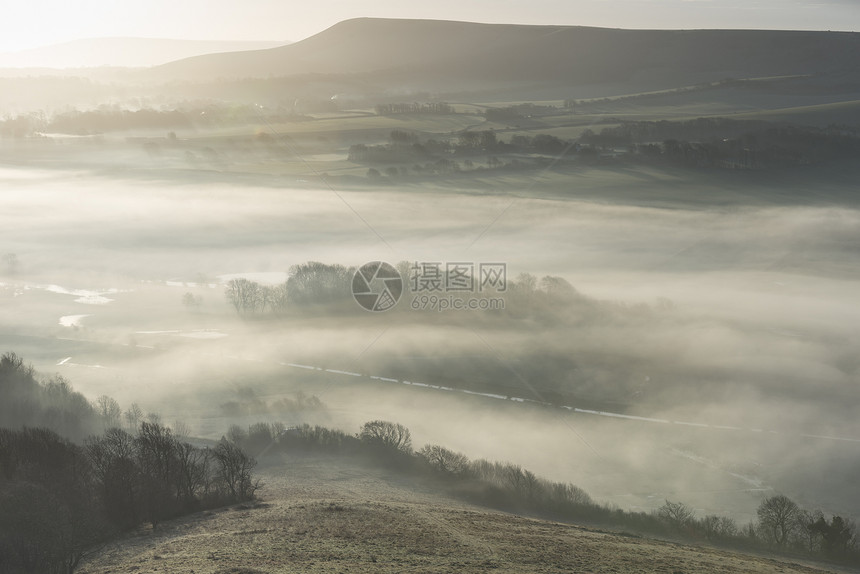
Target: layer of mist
739 321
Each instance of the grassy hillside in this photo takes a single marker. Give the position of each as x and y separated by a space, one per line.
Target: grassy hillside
320 516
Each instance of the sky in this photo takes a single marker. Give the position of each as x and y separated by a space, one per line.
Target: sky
34 23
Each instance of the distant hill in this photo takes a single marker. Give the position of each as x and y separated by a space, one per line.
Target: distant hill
120 52
430 52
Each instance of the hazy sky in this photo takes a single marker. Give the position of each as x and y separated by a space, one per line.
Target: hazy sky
32 23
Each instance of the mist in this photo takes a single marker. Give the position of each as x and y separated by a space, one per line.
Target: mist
734 328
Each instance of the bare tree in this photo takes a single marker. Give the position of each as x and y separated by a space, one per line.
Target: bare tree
109 411
192 471
533 485
278 298
387 434
133 416
677 514
113 460
727 527
243 294
156 458
444 460
778 516
234 471
569 493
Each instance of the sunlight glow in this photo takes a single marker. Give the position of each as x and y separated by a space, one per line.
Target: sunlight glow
35 23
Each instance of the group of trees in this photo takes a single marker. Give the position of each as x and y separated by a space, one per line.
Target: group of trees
308 284
48 501
247 402
781 524
62 494
60 500
22 125
152 475
51 403
402 147
386 435
784 523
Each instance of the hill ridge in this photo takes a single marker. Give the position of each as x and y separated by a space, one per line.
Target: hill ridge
430 52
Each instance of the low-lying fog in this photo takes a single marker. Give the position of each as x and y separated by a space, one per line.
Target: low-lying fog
751 323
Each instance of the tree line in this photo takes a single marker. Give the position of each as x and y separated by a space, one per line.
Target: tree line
702 143
781 525
408 146
517 112
470 151
726 143
105 119
413 108
315 284
113 118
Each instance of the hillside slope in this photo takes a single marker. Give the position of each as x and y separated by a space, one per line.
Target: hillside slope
432 50
320 516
